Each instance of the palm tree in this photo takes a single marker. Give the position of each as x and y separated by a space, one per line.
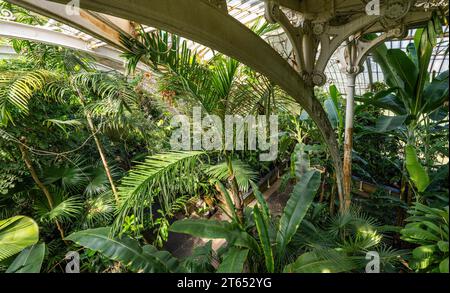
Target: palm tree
215 86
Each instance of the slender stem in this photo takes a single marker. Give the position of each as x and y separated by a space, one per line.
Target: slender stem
99 146
38 182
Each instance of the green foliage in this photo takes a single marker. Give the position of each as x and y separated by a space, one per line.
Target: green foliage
146 259
428 228
29 260
260 244
233 261
65 208
161 224
16 91
321 261
296 208
200 261
416 171
243 173
17 233
161 176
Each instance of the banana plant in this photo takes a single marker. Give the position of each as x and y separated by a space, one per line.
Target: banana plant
416 98
16 234
21 234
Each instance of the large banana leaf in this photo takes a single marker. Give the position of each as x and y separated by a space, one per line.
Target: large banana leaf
416 171
436 93
146 259
233 261
212 229
329 261
390 77
16 234
389 123
405 68
332 112
385 99
296 208
29 260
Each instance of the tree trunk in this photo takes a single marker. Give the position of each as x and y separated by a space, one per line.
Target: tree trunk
38 182
348 144
99 147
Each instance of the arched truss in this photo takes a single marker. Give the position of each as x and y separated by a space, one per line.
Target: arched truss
105 55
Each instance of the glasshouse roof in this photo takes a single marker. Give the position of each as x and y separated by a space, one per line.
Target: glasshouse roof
85 33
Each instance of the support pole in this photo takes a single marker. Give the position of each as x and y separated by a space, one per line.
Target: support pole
348 144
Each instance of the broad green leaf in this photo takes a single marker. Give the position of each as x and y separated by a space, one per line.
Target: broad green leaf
380 57
334 94
390 102
436 93
443 266
263 233
404 68
332 113
424 251
233 260
416 171
443 246
261 201
389 123
146 259
17 233
296 208
229 201
29 260
325 262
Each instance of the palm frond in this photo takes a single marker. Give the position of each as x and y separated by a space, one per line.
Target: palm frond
64 210
162 177
242 171
70 177
21 89
99 211
98 181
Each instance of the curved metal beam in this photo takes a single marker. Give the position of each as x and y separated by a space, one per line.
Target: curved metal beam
107 56
21 31
7 52
102 27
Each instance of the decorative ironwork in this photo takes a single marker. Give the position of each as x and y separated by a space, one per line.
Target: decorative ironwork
6 15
